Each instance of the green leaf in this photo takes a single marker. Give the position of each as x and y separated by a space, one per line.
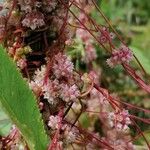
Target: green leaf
20 104
5 123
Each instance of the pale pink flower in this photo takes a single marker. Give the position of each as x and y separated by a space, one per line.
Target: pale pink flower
69 93
95 76
71 134
120 55
51 90
53 122
105 35
63 67
25 5
122 145
39 76
50 5
95 102
119 120
33 20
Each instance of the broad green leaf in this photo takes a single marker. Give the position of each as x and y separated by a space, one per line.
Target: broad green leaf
5 123
20 104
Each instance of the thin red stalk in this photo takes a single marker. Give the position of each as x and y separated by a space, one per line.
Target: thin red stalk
97 27
87 15
138 136
83 25
133 106
90 111
64 23
141 119
141 132
54 142
117 34
108 97
136 77
92 136
85 132
75 26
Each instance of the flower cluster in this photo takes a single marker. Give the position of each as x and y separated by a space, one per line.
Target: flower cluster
56 87
69 134
49 5
53 122
119 56
120 144
62 66
119 120
69 93
33 20
28 5
105 35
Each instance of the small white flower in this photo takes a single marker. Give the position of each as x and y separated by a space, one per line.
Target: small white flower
54 122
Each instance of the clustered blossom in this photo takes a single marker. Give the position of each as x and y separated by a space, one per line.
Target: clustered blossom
33 20
119 120
90 53
120 144
39 76
105 35
119 56
71 134
28 5
53 122
33 14
50 5
69 93
62 66
51 90
55 87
